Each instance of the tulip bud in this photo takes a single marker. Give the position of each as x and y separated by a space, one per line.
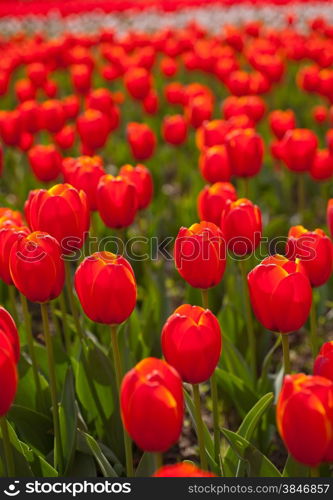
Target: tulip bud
280 293
315 251
152 405
84 174
183 469
200 254
105 284
141 139
304 409
245 150
150 103
192 342
63 212
323 364
142 179
117 201
319 114
214 164
299 149
174 129
45 162
322 166
9 331
241 225
212 201
36 266
281 121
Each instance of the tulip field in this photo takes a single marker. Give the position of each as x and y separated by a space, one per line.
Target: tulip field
166 215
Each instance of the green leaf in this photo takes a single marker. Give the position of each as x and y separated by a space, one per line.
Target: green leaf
237 390
293 468
21 464
105 466
246 429
33 427
209 444
146 466
258 465
38 464
234 362
68 420
83 466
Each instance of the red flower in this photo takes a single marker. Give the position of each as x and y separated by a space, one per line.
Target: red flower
152 405
174 129
322 166
245 150
214 164
93 128
183 469
9 233
281 121
280 293
192 342
137 82
299 149
9 331
212 201
45 162
142 179
105 284
141 140
323 364
117 201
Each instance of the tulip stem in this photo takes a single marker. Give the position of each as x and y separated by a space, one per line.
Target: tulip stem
245 187
62 305
8 450
12 300
94 232
158 460
214 395
119 375
249 319
313 329
58 457
301 195
285 349
72 299
200 427
30 342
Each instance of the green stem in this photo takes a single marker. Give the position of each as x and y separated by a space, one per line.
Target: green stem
58 456
7 446
94 232
245 186
313 330
158 460
285 349
119 375
301 194
12 300
72 300
30 342
62 305
200 427
249 319
204 298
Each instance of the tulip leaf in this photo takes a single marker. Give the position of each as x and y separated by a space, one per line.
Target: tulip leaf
104 465
293 468
38 464
209 444
246 429
26 394
21 464
83 466
146 466
34 427
258 465
233 361
68 420
237 390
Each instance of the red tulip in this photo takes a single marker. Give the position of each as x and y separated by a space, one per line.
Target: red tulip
174 129
37 73
65 138
30 116
9 233
281 121
174 93
84 174
212 133
183 469
323 364
71 106
141 140
24 90
9 331
8 376
81 76
214 164
192 343
117 201
105 284
138 82
304 418
319 114
245 150
299 149
14 216
150 103
62 211
242 226
45 162
200 256
152 405
212 201
280 293
169 67
329 140
52 115
93 128
322 166
142 179
199 110
10 127
36 266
